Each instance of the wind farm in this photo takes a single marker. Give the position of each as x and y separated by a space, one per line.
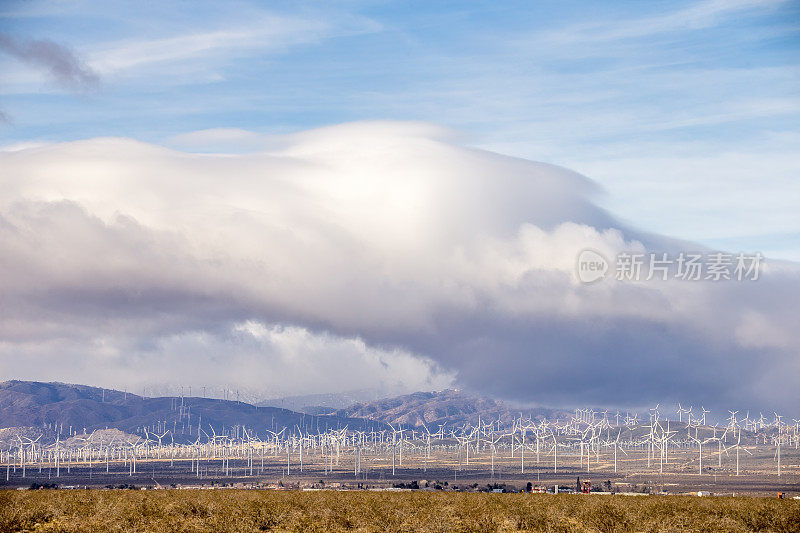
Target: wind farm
617 452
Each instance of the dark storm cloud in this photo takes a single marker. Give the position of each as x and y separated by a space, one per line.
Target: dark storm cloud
62 64
614 362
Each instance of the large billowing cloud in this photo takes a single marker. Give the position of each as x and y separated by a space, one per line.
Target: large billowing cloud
362 255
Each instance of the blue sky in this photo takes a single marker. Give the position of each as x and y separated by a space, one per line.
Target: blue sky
686 113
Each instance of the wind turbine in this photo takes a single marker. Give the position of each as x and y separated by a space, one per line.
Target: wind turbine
738 446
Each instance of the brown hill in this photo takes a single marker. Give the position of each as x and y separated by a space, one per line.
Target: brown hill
69 409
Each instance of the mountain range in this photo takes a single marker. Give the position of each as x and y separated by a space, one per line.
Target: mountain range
68 409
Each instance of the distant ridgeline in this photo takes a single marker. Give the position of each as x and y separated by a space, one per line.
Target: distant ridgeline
65 409
448 407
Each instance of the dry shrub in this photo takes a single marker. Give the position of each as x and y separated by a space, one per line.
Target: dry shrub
244 511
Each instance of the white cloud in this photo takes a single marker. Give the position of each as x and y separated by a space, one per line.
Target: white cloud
263 361
229 140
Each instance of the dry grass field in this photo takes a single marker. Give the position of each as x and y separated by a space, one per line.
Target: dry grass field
242 511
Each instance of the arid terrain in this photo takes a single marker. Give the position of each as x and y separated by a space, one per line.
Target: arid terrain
757 475
241 511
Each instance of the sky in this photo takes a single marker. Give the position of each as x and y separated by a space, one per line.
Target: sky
313 197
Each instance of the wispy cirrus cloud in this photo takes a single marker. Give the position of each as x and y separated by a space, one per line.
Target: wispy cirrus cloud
698 16
263 33
131 54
